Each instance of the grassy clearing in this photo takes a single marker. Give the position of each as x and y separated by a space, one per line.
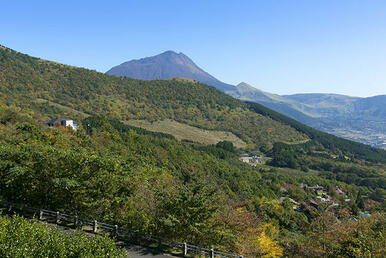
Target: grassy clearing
297 142
297 172
187 132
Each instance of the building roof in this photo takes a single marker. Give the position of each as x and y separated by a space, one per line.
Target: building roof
312 202
53 121
281 199
338 191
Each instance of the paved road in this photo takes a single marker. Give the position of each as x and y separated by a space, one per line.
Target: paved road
135 251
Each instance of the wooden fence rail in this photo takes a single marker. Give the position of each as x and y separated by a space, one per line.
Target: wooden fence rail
122 233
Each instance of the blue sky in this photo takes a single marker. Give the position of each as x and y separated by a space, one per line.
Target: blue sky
284 47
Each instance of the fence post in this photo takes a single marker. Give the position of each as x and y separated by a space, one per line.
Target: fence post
185 249
40 214
76 221
95 226
116 230
211 253
57 217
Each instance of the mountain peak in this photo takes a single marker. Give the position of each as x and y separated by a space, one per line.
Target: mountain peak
166 65
171 52
243 84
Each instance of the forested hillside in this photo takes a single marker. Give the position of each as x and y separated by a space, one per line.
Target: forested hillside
305 199
151 182
25 81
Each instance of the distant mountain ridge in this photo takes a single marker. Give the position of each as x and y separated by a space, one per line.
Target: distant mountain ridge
166 66
355 118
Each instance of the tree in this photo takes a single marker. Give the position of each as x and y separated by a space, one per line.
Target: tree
359 201
226 145
189 213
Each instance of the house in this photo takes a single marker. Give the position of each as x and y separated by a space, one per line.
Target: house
251 160
281 199
325 199
257 159
338 191
63 122
295 203
312 203
245 159
315 187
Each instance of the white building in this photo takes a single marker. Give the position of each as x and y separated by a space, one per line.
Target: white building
253 161
64 122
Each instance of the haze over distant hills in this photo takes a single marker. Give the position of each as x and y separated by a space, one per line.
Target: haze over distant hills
355 118
359 119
